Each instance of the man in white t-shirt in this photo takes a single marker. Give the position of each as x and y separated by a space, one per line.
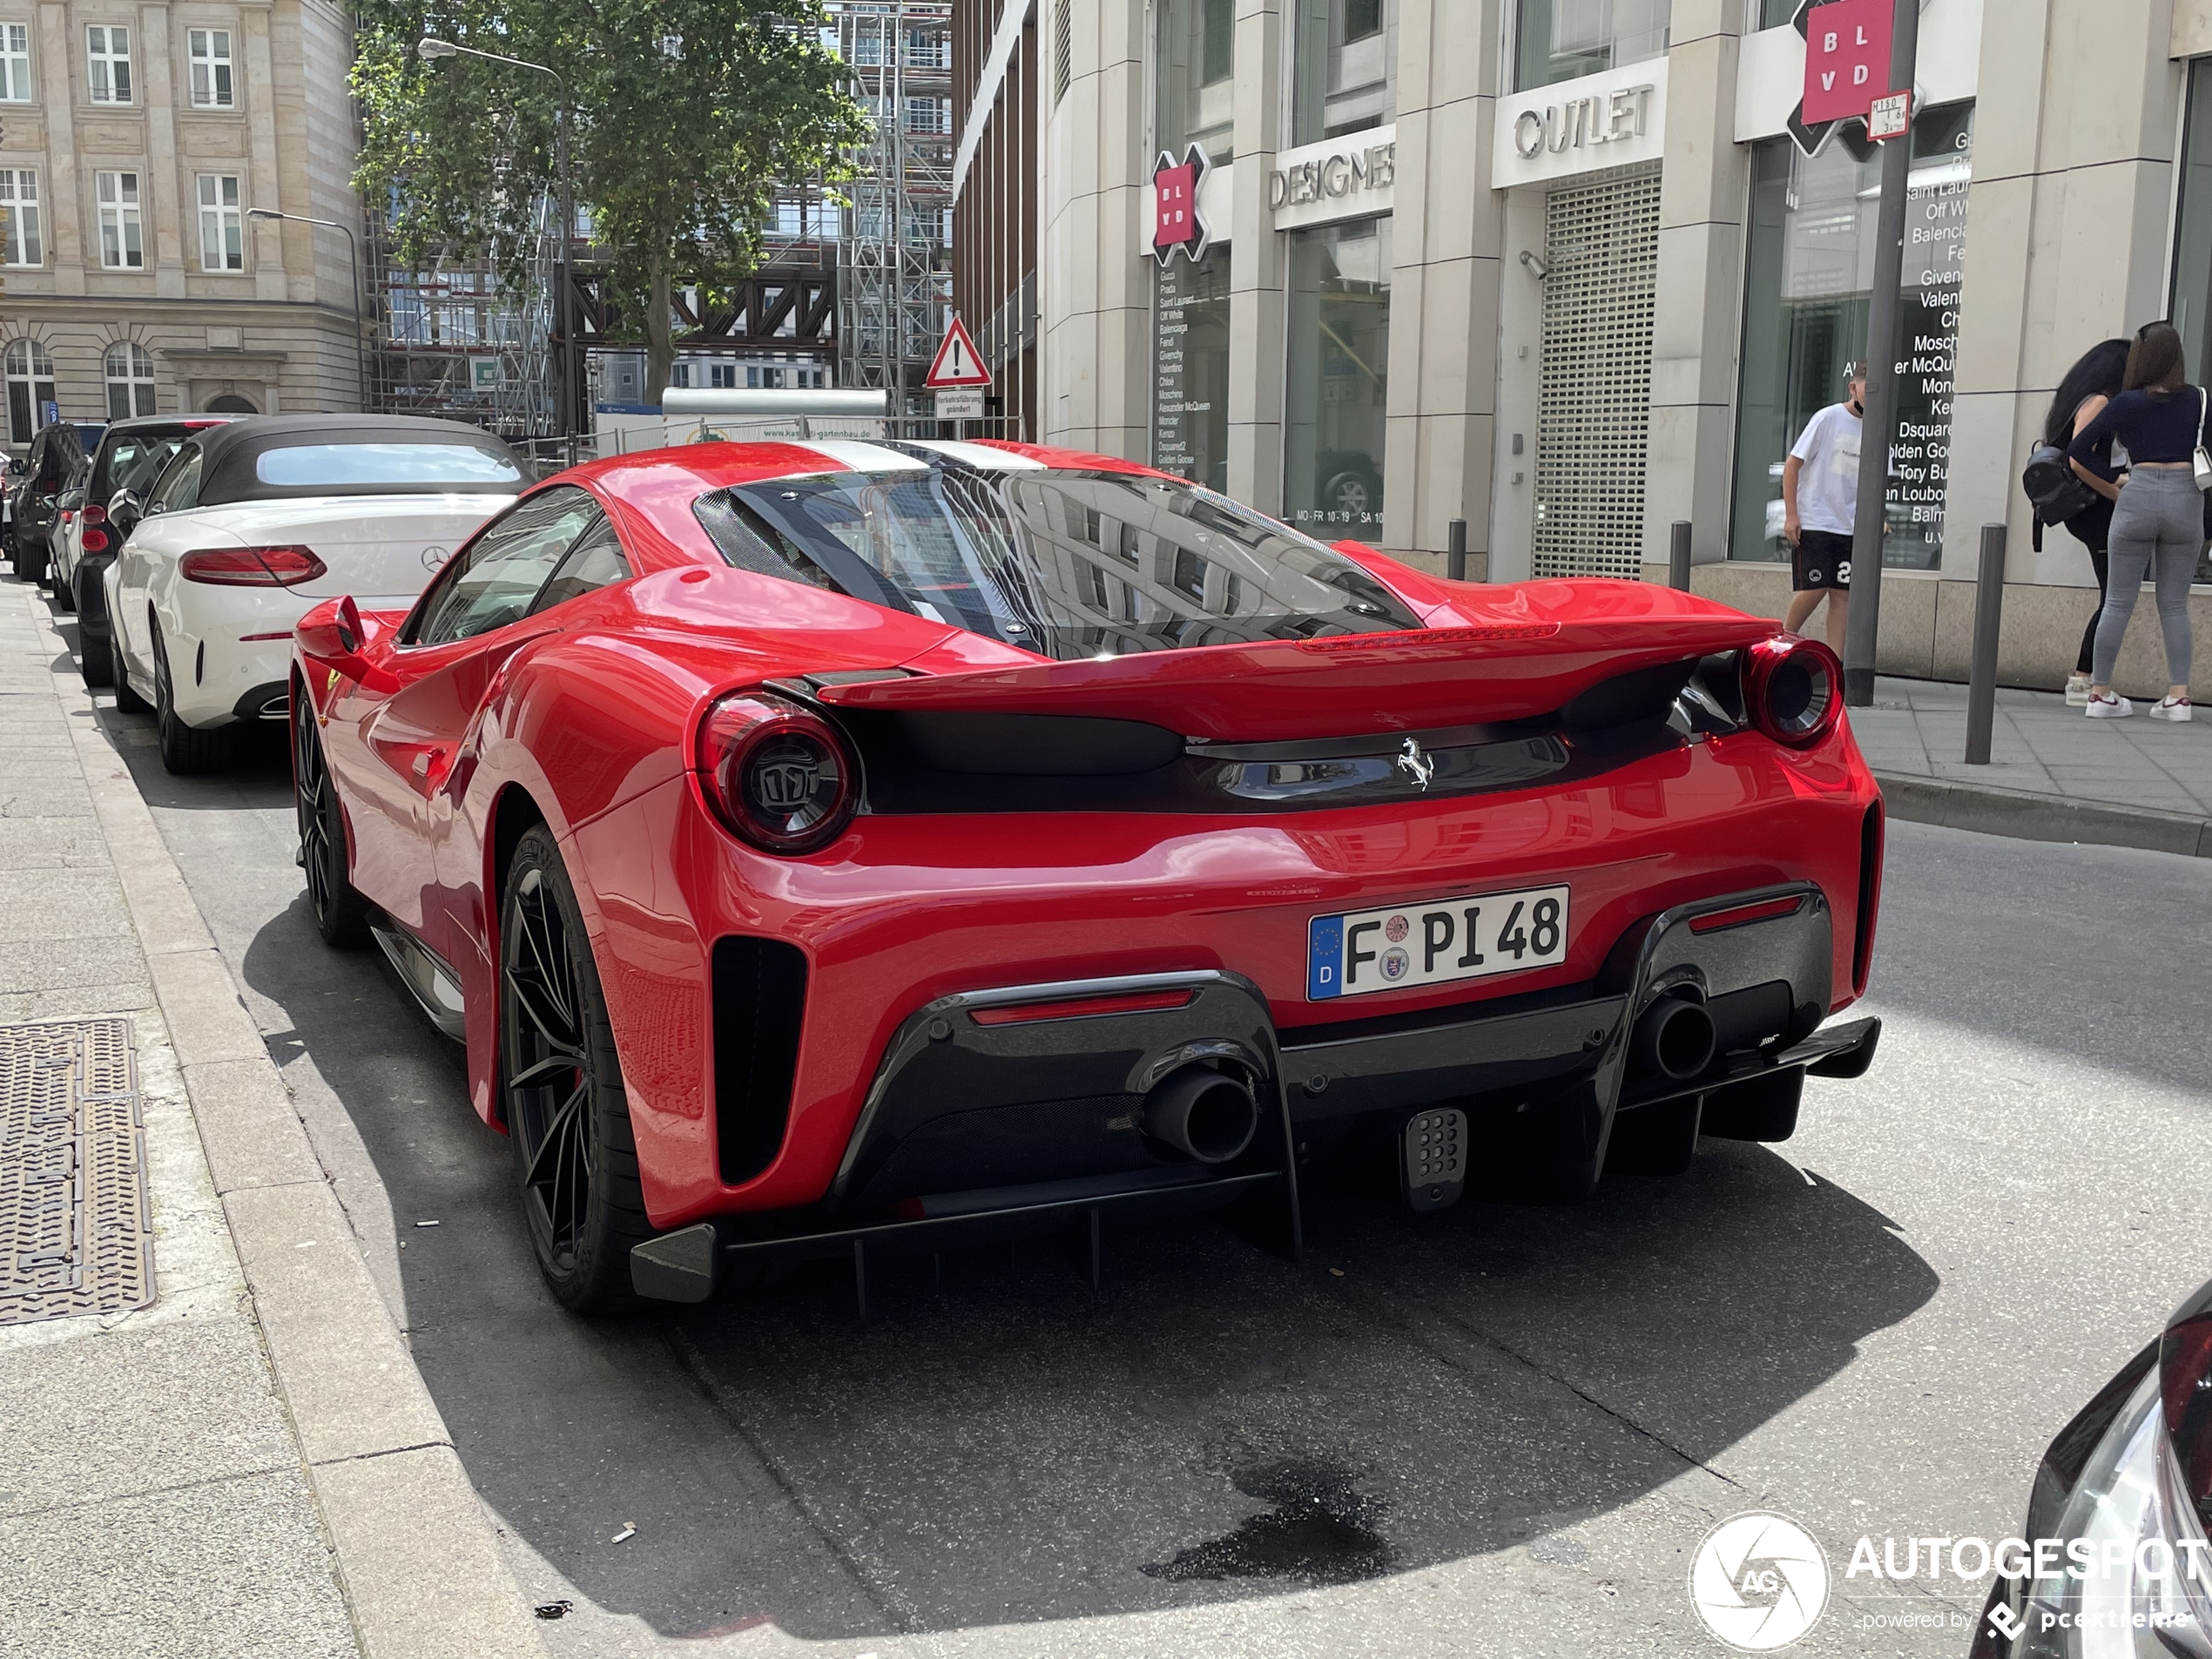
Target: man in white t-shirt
1820 505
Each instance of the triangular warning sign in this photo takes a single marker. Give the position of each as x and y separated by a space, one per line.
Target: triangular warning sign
957 361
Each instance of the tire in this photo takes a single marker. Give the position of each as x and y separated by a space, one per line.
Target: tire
341 912
64 595
1347 493
93 661
561 1090
126 700
186 751
30 565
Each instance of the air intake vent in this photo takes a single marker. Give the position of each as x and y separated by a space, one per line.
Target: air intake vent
759 1002
1064 44
1870 838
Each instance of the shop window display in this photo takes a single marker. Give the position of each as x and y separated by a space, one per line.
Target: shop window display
1808 282
1337 379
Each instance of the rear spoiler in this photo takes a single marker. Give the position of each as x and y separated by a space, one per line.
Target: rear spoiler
1540 646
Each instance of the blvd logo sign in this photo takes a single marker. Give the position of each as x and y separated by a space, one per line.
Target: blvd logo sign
1759 1582
1177 222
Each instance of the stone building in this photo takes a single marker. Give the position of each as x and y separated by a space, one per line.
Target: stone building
135 140
1560 268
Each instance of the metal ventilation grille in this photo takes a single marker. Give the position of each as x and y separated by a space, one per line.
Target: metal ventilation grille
1595 413
76 1235
1064 38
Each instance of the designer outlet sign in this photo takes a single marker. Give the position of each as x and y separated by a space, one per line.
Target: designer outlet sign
1612 119
1354 177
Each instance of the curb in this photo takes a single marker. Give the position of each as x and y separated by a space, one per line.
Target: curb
419 1562
2027 816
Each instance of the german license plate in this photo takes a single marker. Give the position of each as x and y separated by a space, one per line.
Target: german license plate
1433 940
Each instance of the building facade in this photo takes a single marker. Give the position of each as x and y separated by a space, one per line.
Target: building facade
994 202
1575 270
135 142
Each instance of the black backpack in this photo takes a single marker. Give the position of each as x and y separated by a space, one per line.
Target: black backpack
2054 489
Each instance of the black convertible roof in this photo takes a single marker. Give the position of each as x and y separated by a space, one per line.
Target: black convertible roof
228 452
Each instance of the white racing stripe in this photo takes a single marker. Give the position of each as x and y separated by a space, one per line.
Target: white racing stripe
979 454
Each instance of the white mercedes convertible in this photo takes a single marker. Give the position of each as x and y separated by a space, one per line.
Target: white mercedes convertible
253 523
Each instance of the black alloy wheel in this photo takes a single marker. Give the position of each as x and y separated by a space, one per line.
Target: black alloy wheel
567 1114
341 912
185 750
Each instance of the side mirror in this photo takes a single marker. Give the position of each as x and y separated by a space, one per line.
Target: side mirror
332 637
124 512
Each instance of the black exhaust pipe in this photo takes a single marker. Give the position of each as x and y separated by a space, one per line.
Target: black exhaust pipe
1674 1038
1203 1113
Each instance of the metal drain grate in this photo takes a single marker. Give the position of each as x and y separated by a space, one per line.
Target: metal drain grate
76 1234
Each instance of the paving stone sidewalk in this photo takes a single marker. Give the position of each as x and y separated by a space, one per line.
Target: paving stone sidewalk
2054 775
250 1467
153 1499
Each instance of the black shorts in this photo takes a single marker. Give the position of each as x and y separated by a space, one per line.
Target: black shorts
1820 560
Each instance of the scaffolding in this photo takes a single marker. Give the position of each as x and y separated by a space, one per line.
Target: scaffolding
895 281
453 341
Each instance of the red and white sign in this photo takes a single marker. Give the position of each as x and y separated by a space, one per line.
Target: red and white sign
1177 222
1847 57
1891 118
957 361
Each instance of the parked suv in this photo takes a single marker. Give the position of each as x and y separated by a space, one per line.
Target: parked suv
99 506
56 453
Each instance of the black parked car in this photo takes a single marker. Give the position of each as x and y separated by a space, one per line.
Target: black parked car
34 502
2134 1469
103 500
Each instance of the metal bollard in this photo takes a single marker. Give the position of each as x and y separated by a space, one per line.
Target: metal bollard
1989 613
1678 556
1455 549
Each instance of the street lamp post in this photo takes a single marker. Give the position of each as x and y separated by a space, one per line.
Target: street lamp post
431 48
354 269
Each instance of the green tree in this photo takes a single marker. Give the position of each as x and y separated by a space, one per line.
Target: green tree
687 113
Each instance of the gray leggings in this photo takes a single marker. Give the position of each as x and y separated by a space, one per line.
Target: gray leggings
2157 532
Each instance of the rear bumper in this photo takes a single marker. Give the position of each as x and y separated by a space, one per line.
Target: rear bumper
976 1122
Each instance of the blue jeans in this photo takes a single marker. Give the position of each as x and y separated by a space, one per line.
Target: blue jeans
2157 532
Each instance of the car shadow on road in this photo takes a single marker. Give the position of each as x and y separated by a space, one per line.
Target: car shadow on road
1218 1424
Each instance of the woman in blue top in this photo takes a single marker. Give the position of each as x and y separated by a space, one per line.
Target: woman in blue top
2158 520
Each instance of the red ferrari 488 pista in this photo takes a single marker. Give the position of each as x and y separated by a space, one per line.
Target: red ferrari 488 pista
831 845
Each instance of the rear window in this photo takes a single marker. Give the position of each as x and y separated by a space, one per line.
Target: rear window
352 466
1068 564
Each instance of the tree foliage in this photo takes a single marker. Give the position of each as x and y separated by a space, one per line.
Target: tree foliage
687 113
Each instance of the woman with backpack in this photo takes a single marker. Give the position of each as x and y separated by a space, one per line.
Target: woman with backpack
2089 385
2158 518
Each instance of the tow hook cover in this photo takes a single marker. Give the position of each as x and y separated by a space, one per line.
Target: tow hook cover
1433 1167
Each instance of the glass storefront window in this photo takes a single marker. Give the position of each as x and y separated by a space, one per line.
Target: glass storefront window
1337 383
1807 282
1197 83
1558 40
2193 242
1773 14
1191 370
1346 76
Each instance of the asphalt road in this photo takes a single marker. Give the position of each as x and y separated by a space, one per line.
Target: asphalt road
1502 1429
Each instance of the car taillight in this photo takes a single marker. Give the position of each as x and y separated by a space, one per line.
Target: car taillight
777 773
1795 688
95 541
251 567
2185 1389
94 513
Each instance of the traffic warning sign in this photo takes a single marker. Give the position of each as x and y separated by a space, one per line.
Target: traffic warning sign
957 362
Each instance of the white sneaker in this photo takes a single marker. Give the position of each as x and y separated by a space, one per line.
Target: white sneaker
2110 706
2077 690
2170 708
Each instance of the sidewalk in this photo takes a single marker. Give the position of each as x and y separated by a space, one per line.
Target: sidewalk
235 1456
2054 775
